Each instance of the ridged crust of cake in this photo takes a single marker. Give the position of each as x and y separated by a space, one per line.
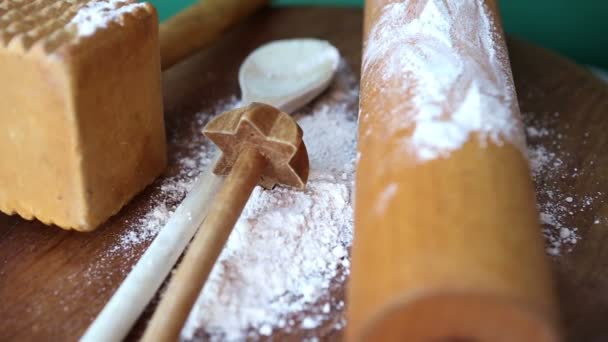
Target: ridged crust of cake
47 25
78 77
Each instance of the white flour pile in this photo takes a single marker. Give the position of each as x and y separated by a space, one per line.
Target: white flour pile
98 14
289 245
442 53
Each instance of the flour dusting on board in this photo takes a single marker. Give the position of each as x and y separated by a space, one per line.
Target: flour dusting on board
98 14
171 189
552 172
432 53
289 246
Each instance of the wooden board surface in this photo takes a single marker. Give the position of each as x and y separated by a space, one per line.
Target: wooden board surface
53 283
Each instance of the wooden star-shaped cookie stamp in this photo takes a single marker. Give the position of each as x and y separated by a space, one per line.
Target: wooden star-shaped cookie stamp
271 133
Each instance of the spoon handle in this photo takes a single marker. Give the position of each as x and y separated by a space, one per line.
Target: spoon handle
185 286
140 286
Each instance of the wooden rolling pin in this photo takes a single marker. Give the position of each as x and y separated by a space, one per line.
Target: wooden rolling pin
199 25
447 245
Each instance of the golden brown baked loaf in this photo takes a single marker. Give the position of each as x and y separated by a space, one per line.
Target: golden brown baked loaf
81 114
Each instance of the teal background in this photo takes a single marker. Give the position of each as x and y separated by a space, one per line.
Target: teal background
575 28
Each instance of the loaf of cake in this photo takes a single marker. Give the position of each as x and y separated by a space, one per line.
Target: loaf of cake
81 117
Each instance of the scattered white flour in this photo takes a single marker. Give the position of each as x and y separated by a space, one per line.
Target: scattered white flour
98 14
550 172
289 246
149 225
173 188
445 56
385 197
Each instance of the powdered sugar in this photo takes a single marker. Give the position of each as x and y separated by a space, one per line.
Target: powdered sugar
442 59
288 246
99 13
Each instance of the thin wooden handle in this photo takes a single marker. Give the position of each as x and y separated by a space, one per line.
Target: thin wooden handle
136 291
199 25
184 288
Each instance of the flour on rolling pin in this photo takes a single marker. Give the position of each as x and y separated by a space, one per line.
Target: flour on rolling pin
443 54
440 136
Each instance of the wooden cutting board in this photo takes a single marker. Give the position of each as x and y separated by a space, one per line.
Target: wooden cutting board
53 283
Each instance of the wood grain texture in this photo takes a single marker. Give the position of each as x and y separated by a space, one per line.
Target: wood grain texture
53 283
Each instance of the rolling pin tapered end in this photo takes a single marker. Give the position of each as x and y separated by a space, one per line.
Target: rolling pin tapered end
459 317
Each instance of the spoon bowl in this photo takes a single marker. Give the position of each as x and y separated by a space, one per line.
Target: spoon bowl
288 73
